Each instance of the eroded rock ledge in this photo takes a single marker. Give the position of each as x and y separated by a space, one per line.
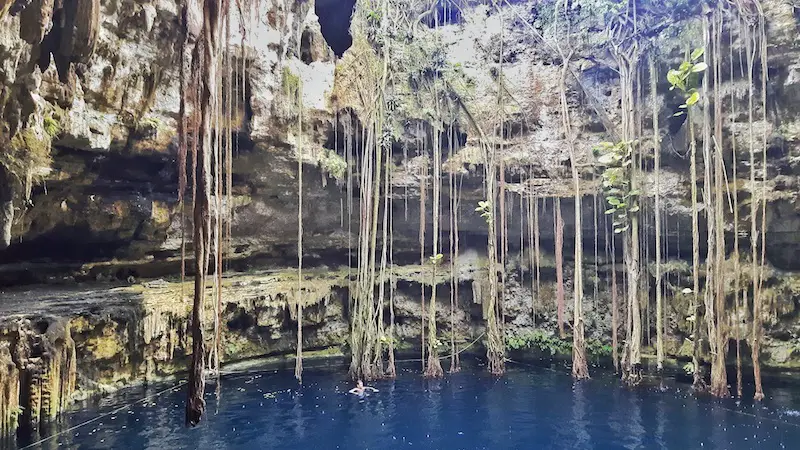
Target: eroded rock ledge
58 345
62 344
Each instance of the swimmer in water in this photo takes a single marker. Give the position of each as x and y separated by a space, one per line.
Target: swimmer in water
361 390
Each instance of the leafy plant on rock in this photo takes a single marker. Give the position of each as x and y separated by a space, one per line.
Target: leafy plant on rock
623 201
485 209
686 77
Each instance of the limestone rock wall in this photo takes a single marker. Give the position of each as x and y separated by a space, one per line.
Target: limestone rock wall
106 126
60 345
9 391
104 205
39 368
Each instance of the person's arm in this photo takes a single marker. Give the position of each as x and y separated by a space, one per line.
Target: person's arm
353 391
371 388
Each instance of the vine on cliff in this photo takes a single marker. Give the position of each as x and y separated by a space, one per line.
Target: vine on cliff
686 78
627 53
201 55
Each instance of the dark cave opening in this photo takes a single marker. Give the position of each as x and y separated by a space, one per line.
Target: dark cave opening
305 48
334 21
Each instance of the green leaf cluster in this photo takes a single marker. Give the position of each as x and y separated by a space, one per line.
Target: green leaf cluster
52 126
686 79
550 343
623 201
540 340
596 347
291 85
24 152
374 16
333 164
485 209
436 259
149 122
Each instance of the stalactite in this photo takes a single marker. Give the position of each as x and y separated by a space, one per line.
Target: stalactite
9 391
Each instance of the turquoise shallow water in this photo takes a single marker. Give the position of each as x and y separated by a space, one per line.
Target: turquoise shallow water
529 408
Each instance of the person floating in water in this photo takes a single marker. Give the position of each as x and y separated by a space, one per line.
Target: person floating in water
361 390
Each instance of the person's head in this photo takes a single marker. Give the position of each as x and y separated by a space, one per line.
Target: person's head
360 384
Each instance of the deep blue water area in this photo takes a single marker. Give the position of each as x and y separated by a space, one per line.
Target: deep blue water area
528 408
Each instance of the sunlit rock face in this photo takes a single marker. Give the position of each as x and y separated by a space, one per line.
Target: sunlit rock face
112 181
110 192
102 209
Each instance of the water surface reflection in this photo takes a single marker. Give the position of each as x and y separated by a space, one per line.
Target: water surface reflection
527 408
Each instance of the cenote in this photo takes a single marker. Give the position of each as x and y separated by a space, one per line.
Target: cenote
530 407
608 190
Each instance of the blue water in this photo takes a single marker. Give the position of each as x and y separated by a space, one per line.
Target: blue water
528 408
